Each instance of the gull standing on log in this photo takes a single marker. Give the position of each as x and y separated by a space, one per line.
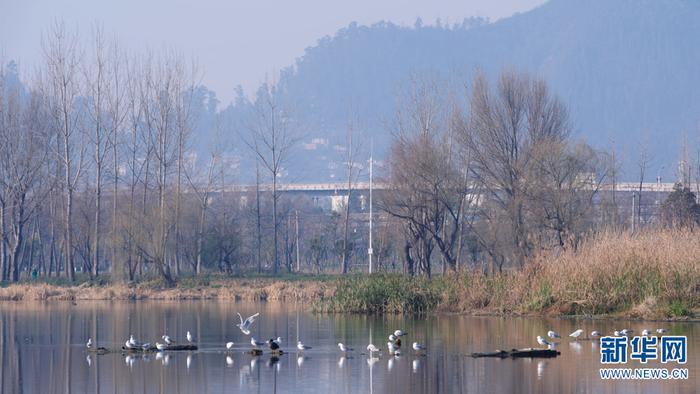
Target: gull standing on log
273 345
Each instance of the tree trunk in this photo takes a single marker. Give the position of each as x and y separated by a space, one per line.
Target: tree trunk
200 235
409 260
18 235
98 217
275 226
345 230
3 252
117 268
257 212
69 267
177 206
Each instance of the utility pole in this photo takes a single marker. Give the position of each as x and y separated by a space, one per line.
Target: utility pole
296 224
634 212
369 250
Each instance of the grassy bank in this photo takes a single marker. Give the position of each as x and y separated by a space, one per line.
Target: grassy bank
651 276
212 287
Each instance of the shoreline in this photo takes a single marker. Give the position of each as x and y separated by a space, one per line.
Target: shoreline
257 290
318 294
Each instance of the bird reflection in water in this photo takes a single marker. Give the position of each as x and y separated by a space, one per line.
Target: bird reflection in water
576 347
88 359
273 361
229 361
541 365
415 366
130 360
300 360
164 358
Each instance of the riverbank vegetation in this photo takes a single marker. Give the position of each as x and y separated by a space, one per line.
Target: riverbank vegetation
654 275
651 275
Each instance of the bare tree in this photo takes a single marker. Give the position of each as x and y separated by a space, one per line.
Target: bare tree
96 91
157 101
352 172
566 181
117 103
271 140
426 187
184 85
61 88
137 161
24 140
226 232
504 126
202 189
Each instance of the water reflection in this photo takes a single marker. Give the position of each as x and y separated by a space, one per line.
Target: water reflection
541 365
576 347
48 340
415 365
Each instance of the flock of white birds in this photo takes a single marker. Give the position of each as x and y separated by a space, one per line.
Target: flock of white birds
576 335
393 345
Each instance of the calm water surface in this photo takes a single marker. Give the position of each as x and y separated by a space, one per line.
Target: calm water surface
42 351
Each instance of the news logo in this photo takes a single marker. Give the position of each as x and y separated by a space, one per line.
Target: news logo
666 349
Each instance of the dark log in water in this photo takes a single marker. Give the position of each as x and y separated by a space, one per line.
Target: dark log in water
152 348
98 350
520 353
259 352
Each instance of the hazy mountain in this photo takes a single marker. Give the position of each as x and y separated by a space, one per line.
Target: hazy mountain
627 68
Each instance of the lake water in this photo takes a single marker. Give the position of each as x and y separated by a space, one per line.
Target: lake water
42 351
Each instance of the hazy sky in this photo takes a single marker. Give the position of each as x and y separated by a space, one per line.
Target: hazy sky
235 42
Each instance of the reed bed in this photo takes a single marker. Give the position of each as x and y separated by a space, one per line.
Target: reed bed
222 289
651 275
646 275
